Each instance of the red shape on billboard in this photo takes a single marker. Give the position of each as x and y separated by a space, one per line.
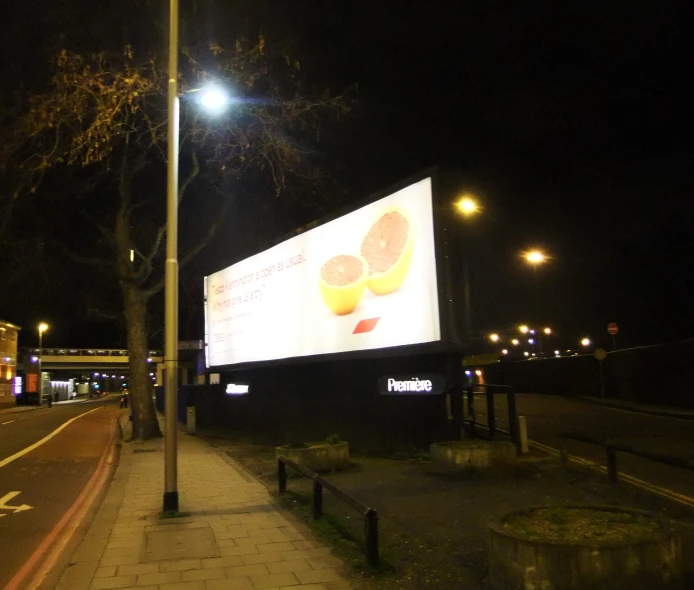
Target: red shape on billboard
366 326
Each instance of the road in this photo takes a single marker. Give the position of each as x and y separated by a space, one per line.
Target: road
39 487
547 416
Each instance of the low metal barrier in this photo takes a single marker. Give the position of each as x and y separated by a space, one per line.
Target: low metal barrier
611 448
488 389
370 515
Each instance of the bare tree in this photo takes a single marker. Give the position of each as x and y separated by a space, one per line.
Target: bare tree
102 124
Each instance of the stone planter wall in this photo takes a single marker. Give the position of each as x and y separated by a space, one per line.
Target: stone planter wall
319 456
466 454
517 563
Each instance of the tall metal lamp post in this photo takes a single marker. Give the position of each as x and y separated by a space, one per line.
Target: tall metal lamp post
214 100
42 328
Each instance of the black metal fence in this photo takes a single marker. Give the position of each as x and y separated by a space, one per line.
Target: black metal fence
489 389
370 515
611 448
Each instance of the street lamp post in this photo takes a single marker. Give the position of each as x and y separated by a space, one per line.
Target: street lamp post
467 206
214 99
535 258
42 328
171 275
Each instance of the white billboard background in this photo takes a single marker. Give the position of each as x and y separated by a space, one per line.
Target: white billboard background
269 306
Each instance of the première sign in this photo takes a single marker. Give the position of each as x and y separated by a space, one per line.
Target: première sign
413 384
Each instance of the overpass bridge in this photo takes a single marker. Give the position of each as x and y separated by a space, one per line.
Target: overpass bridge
83 359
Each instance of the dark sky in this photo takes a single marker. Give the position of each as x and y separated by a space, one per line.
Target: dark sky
569 120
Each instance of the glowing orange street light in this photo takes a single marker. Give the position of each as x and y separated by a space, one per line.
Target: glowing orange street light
467 205
535 257
494 337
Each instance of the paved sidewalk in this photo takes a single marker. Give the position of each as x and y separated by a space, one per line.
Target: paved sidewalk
233 537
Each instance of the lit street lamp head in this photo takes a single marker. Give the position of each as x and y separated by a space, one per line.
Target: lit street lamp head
585 342
524 329
43 327
467 206
214 99
494 337
535 257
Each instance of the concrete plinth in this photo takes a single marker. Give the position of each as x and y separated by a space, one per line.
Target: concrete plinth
636 561
466 454
319 456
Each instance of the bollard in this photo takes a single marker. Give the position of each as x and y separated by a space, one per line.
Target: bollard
563 452
523 436
491 414
281 476
611 464
371 534
317 499
190 420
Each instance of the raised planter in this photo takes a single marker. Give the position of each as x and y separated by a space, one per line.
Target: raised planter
464 455
317 456
584 547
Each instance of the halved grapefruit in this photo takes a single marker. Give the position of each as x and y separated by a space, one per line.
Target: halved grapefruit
387 249
342 282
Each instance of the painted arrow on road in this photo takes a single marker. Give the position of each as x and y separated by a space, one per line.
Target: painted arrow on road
7 497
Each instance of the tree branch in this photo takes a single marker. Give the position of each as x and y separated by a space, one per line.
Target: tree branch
194 251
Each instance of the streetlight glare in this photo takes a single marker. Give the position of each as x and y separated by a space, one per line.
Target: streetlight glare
467 205
585 342
514 342
214 99
524 329
535 257
43 327
548 331
494 337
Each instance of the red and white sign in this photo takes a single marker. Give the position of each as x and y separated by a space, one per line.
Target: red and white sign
366 280
612 328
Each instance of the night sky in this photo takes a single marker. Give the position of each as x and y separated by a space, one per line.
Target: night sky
570 121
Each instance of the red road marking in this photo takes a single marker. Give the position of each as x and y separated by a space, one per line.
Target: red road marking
366 326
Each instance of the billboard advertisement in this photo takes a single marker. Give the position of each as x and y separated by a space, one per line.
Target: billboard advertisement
364 281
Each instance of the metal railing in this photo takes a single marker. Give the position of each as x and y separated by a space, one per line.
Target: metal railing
488 390
611 448
370 515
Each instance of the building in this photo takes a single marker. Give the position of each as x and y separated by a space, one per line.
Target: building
8 363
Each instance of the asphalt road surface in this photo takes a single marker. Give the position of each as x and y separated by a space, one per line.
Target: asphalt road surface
39 487
547 416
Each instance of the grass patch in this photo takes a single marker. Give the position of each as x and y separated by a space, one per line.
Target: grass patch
336 532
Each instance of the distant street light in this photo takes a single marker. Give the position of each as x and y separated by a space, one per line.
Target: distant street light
535 257
585 342
524 329
42 328
547 331
494 337
467 205
514 342
504 351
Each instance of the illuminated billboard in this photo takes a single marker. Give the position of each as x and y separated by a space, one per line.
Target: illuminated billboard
364 281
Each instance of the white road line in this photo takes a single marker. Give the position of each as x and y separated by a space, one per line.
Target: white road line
8 422
43 440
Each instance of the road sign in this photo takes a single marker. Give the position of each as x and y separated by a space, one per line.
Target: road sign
600 354
612 328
